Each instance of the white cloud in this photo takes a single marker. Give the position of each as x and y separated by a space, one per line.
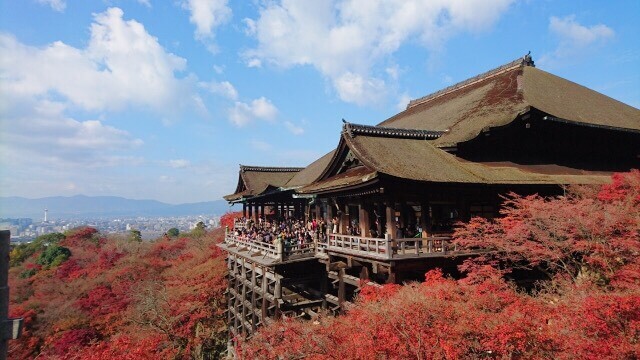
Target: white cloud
223 88
254 63
179 163
38 133
348 40
146 3
574 39
242 113
293 128
219 69
122 66
207 15
57 5
403 101
359 90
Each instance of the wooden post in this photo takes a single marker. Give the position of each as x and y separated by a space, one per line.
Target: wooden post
424 215
391 218
254 317
379 219
329 219
341 291
250 208
244 210
262 211
344 220
9 328
265 289
363 220
318 212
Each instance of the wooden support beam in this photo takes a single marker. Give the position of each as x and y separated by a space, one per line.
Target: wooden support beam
363 220
341 290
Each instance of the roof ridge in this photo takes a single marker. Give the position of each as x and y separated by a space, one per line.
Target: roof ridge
519 62
356 129
269 168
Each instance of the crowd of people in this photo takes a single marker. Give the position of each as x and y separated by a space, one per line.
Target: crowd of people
290 232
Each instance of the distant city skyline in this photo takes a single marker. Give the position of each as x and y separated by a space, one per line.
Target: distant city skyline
161 100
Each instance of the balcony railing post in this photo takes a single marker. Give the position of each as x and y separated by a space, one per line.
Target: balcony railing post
279 250
389 240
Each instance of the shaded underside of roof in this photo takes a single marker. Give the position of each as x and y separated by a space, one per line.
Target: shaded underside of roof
464 110
419 160
311 173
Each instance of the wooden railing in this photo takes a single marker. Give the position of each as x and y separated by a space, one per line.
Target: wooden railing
239 224
387 248
373 247
430 245
384 249
277 251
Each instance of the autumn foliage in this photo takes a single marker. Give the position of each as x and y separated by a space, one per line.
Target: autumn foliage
87 296
586 305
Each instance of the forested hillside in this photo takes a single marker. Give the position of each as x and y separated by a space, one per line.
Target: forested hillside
85 296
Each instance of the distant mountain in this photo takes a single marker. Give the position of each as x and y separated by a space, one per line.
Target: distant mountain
101 206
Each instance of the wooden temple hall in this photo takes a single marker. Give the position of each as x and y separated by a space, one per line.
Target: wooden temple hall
401 185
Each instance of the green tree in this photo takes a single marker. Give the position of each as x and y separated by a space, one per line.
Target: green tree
173 232
21 252
135 235
53 256
199 230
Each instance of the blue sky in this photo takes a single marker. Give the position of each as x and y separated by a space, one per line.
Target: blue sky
152 99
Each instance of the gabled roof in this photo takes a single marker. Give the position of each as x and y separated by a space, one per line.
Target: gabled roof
496 97
311 173
406 157
255 180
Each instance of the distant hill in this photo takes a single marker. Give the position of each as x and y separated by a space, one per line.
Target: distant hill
102 206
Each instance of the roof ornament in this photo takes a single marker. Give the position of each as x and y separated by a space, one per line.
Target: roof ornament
527 60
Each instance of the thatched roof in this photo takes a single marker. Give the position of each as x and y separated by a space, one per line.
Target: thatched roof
495 98
419 160
255 180
311 173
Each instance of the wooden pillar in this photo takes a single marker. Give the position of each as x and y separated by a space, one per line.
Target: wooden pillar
318 213
329 217
363 220
262 211
391 217
341 291
380 212
254 317
250 208
344 220
265 289
424 219
244 210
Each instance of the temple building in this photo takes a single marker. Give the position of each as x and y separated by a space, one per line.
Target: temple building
391 193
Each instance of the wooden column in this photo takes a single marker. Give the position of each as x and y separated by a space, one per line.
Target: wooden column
254 317
363 220
250 214
424 219
244 210
380 212
344 220
329 217
391 217
341 291
262 211
265 290
318 212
